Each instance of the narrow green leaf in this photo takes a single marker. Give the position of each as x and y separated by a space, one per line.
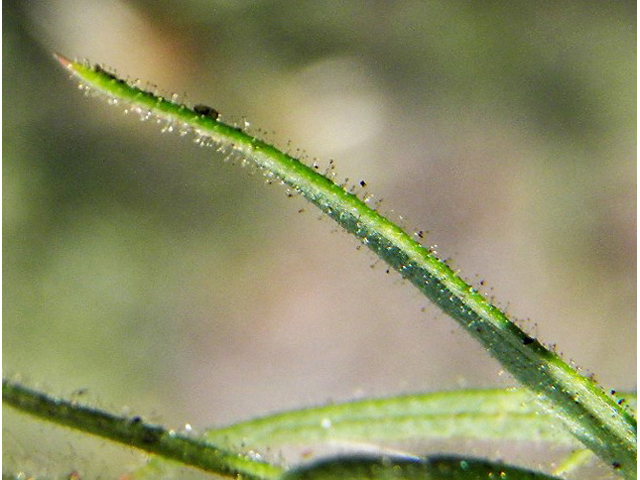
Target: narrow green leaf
134 432
488 414
464 414
589 414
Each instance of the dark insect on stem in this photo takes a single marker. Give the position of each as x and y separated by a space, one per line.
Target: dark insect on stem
527 340
206 111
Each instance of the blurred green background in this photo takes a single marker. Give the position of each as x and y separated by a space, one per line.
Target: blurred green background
164 281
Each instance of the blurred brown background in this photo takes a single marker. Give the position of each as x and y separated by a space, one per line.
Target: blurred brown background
147 271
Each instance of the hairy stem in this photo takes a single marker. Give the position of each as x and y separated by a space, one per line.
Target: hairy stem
135 433
589 414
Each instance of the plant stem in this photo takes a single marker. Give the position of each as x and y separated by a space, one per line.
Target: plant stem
431 468
589 414
133 432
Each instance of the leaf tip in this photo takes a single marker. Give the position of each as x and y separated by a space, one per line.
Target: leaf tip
64 61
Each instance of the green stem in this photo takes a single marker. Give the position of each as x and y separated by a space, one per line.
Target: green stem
589 414
431 468
573 461
133 432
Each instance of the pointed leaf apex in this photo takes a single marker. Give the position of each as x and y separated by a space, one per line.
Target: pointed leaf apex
65 62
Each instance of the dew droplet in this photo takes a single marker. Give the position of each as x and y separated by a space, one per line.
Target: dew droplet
168 127
253 455
144 114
